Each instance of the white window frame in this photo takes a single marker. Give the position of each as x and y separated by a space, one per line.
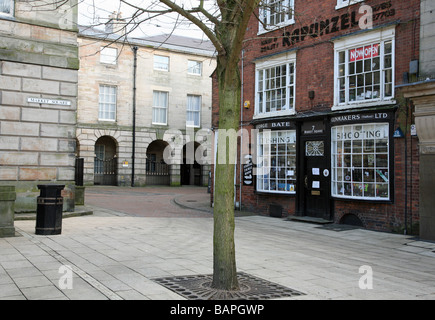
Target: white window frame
367 163
349 43
193 108
109 55
194 67
290 82
157 106
160 65
276 166
107 102
11 8
265 24
346 3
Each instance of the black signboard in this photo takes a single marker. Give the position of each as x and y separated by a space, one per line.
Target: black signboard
248 178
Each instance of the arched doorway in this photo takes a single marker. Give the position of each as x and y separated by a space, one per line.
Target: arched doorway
105 162
191 170
157 170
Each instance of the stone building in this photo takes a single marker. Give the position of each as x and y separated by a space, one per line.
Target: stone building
422 93
328 127
38 96
140 98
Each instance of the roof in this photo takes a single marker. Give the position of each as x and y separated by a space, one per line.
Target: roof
163 41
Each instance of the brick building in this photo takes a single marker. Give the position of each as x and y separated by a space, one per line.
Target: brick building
38 96
327 127
137 97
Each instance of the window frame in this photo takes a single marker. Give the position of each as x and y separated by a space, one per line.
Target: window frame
197 66
155 107
11 9
366 155
189 96
102 110
108 59
346 3
346 44
290 156
263 15
287 59
157 64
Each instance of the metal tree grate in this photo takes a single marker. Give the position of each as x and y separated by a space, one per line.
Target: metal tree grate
198 287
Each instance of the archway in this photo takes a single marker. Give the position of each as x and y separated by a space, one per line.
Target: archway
105 161
157 171
191 170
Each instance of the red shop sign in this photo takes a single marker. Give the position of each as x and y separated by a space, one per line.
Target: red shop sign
364 53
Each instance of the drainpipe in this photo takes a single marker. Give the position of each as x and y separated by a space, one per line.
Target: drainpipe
134 115
241 137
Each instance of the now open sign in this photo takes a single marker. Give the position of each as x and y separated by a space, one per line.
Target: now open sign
364 53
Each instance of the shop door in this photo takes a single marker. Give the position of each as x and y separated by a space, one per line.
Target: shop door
316 180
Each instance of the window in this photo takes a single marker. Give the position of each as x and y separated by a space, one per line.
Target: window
275 14
160 107
6 7
345 3
365 73
194 67
193 110
276 162
108 55
275 86
161 63
360 161
107 103
99 158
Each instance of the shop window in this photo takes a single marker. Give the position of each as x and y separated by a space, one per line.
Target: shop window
107 103
6 7
276 14
275 86
364 72
276 162
360 161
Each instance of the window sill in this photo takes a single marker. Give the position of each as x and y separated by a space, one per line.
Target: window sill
345 5
276 27
357 105
349 198
274 114
275 193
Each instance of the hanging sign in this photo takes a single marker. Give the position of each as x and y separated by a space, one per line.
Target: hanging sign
247 171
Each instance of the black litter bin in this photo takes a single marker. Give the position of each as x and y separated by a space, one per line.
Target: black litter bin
49 209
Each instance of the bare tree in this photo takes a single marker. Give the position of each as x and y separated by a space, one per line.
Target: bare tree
224 23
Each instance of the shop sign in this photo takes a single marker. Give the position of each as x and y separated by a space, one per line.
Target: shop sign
313 128
364 53
275 125
247 171
360 117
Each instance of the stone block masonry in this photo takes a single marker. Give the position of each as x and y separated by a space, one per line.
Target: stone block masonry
37 139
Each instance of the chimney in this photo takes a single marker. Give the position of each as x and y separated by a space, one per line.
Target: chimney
116 24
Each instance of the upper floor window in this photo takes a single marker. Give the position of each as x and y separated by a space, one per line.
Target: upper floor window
6 7
193 110
275 89
108 55
194 67
160 107
365 73
107 103
161 63
345 3
276 14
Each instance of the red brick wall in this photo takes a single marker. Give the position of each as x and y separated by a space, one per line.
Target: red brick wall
315 71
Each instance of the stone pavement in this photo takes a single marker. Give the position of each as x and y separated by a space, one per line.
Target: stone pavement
115 254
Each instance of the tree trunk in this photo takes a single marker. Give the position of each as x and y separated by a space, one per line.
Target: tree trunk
224 259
